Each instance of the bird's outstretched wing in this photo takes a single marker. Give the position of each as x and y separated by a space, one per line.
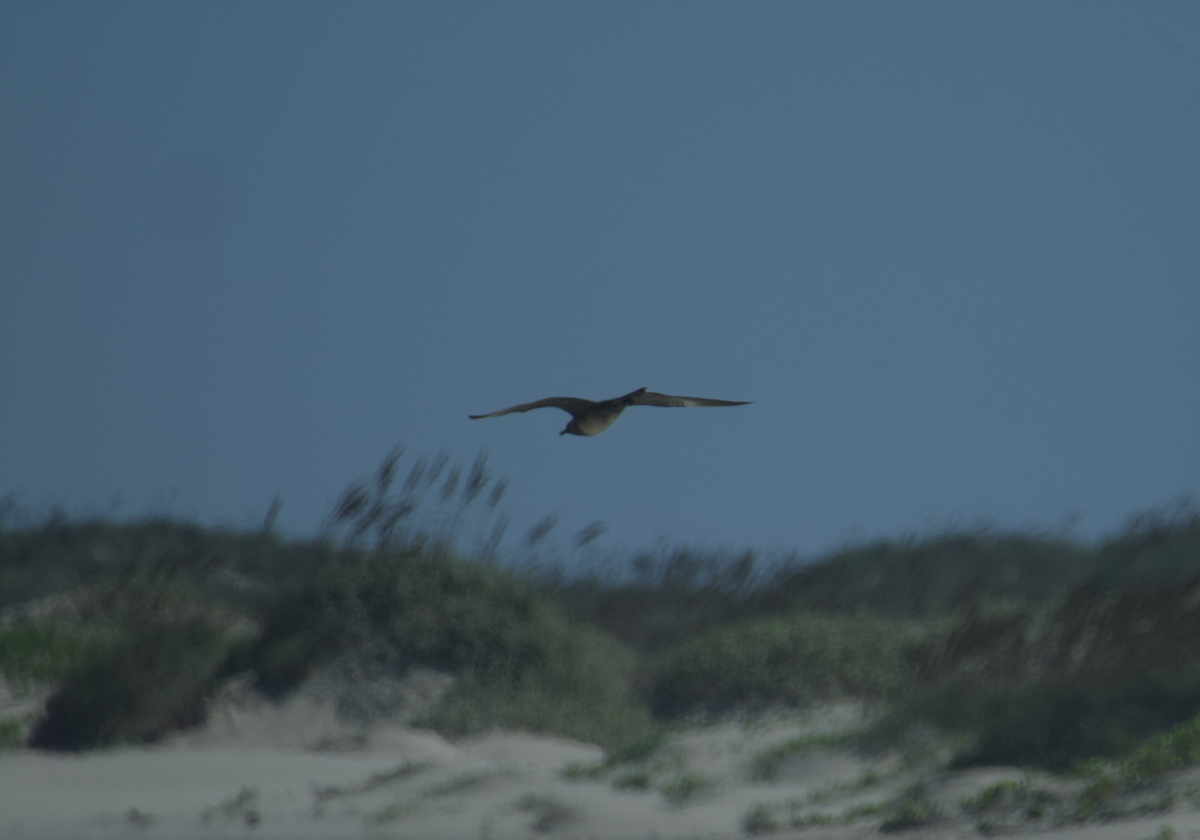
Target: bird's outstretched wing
571 405
668 401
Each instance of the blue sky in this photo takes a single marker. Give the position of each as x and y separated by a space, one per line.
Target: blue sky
950 250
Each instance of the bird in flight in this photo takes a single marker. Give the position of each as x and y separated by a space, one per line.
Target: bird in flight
592 418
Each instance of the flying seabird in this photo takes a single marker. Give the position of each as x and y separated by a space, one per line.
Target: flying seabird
592 418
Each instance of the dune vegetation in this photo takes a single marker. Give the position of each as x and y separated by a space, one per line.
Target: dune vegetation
1030 649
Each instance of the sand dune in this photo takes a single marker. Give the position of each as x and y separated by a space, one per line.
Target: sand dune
300 770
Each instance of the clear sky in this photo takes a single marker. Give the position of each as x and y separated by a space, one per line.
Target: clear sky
950 250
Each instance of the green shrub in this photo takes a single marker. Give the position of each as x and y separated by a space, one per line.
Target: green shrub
1096 799
910 809
637 747
585 698
792 660
1054 722
63 555
48 650
765 764
10 732
637 778
1174 749
674 594
685 786
549 812
1057 685
520 662
760 819
936 575
152 679
910 813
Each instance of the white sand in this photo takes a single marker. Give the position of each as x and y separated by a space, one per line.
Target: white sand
299 771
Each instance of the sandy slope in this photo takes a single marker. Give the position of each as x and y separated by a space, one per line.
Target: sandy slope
301 771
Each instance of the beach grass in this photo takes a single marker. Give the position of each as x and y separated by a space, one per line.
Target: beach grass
43 651
789 661
1029 649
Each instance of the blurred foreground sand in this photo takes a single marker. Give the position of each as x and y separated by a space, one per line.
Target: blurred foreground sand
299 770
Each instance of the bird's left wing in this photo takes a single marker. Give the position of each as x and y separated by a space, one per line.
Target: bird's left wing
668 401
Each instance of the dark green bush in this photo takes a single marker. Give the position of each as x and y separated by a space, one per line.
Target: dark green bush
1053 686
519 660
936 575
791 660
977 632
673 595
1054 722
152 679
47 650
62 555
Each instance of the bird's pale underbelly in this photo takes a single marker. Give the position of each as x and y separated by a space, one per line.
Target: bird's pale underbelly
595 422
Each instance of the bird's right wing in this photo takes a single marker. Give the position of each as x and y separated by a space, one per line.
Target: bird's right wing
572 405
668 401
